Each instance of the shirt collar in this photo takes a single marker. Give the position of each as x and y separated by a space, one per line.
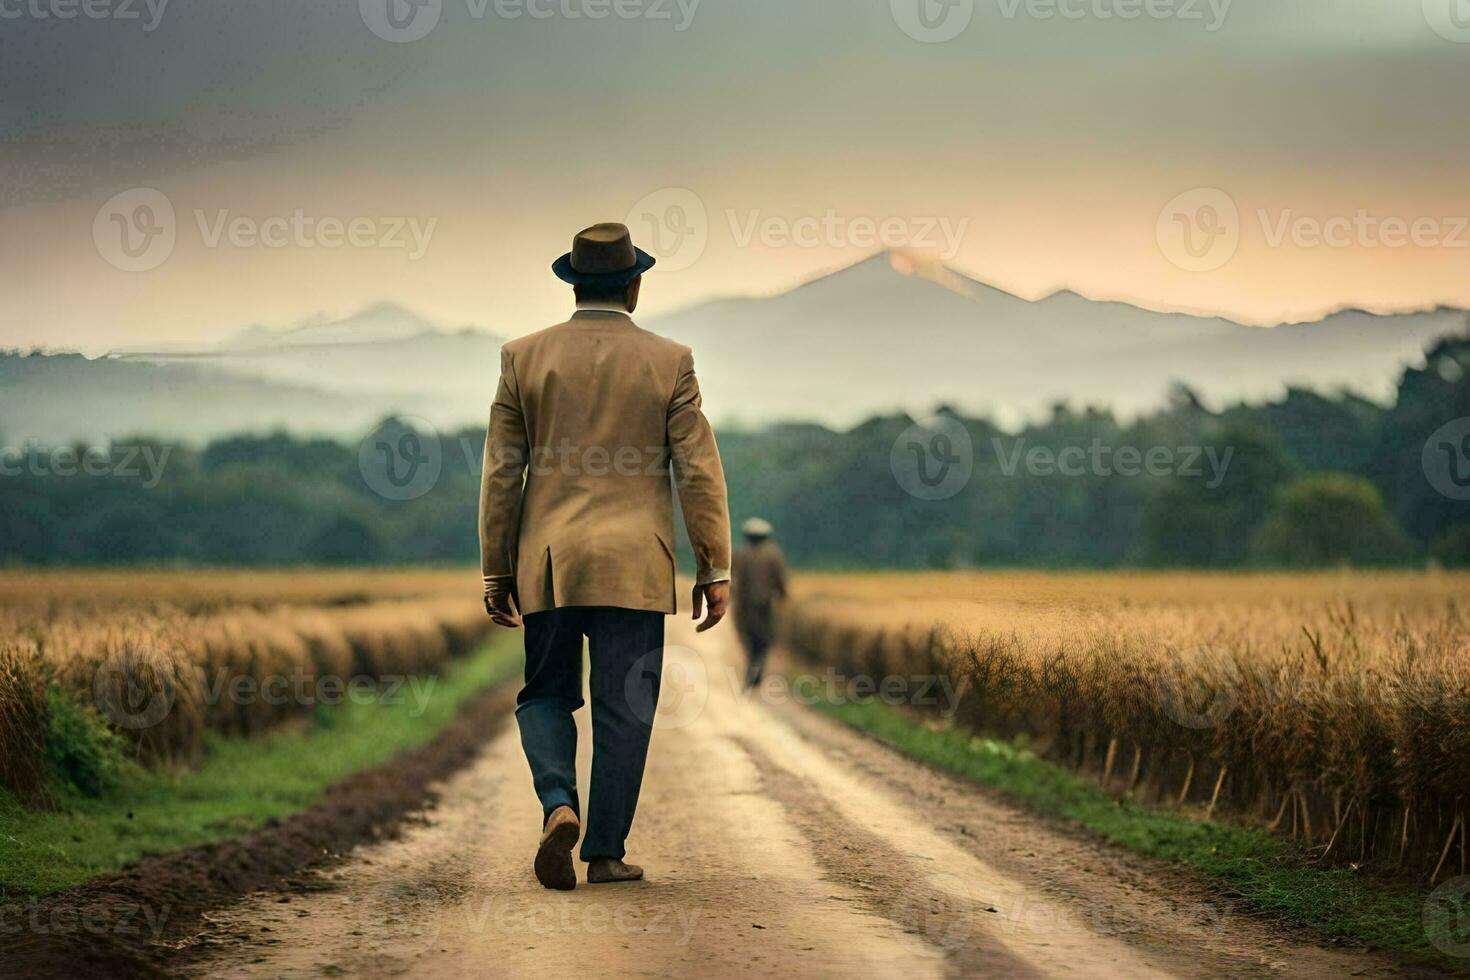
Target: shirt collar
594 306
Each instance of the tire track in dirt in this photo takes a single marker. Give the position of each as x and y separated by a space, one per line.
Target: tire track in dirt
891 884
984 922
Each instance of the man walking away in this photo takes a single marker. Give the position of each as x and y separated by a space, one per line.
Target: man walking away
759 580
577 536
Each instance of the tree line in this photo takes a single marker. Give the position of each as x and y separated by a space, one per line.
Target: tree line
1308 480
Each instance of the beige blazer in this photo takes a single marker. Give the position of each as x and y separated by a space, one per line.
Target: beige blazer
591 419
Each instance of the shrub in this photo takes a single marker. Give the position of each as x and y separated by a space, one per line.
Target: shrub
81 751
1329 519
1452 548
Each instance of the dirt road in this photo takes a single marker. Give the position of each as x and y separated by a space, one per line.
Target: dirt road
776 843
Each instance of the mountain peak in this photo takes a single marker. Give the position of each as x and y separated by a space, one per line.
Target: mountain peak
923 265
918 264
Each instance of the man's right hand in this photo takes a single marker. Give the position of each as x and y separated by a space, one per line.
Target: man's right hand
718 594
502 608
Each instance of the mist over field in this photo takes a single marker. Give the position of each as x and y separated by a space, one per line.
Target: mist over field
896 332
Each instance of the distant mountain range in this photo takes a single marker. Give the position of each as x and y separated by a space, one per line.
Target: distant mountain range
330 378
900 331
385 354
896 332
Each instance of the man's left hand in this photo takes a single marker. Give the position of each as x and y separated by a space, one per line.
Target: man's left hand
502 608
718 595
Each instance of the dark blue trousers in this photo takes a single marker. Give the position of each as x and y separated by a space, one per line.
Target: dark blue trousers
626 654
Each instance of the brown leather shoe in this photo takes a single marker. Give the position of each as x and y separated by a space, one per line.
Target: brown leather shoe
602 871
554 856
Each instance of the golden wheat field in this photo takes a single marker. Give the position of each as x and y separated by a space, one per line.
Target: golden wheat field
159 653
1331 707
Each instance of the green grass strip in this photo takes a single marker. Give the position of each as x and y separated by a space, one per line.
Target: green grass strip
240 784
1246 862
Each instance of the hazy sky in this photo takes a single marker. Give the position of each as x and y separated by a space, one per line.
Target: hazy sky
316 160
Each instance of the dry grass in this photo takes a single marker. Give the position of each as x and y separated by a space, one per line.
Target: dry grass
22 718
1334 707
165 657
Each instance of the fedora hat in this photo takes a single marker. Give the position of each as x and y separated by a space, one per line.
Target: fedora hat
603 254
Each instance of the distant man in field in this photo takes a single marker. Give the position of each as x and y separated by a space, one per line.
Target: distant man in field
577 539
759 581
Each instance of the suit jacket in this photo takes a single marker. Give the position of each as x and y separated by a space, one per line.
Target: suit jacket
590 418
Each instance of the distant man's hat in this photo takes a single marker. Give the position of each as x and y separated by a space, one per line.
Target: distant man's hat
757 528
603 255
